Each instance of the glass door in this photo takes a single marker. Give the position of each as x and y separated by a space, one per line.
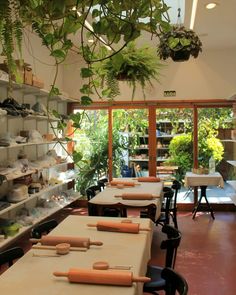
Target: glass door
216 146
130 143
92 145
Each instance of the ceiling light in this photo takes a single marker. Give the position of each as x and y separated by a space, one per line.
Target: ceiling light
211 5
193 14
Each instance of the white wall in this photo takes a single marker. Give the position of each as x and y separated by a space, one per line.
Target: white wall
210 76
38 56
72 81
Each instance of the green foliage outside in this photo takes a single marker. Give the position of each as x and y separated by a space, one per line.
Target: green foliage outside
92 139
92 145
181 148
181 154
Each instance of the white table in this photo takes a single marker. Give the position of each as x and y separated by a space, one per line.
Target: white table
34 275
107 196
203 180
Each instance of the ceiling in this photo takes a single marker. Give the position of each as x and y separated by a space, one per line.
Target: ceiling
216 27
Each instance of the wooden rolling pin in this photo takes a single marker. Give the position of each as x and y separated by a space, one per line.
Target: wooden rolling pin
122 227
101 277
136 196
149 179
73 241
123 183
61 249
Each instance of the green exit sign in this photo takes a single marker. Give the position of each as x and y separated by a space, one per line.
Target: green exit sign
169 93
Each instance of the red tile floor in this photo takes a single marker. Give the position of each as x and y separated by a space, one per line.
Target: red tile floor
207 253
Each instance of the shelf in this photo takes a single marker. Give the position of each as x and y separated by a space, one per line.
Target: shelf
27 144
228 140
232 183
33 196
40 118
29 89
141 148
18 174
24 229
167 136
161 136
138 160
146 160
232 162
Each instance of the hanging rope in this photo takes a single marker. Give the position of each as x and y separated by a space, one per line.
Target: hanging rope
179 22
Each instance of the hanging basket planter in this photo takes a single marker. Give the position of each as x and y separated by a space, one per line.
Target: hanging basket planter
180 56
134 65
123 77
179 43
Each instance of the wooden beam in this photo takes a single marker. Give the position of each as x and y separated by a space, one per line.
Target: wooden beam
110 126
152 142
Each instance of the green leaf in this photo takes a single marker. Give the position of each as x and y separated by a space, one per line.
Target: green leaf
54 91
86 100
56 114
59 54
173 42
71 26
67 45
86 72
86 89
49 39
185 42
96 13
77 157
117 61
76 118
106 92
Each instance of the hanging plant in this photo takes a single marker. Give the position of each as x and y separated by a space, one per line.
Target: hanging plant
179 43
132 65
11 35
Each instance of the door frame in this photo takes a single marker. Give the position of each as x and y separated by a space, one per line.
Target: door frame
151 106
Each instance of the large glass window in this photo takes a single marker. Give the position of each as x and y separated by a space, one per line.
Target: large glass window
92 143
214 141
130 142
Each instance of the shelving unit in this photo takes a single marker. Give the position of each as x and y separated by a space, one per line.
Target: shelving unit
45 125
164 135
24 229
231 152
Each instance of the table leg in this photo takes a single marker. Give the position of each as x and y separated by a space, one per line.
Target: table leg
199 206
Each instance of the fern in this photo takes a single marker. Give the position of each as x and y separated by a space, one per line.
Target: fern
10 33
113 85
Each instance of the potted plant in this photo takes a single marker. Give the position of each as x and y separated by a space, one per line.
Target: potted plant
179 43
133 65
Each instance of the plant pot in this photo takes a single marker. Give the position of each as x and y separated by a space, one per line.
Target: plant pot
181 55
122 77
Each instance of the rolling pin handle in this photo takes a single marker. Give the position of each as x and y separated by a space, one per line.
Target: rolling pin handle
60 274
35 240
141 279
91 225
97 243
145 229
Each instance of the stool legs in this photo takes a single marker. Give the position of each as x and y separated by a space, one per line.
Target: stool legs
200 205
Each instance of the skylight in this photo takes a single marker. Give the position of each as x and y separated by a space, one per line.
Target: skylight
173 11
